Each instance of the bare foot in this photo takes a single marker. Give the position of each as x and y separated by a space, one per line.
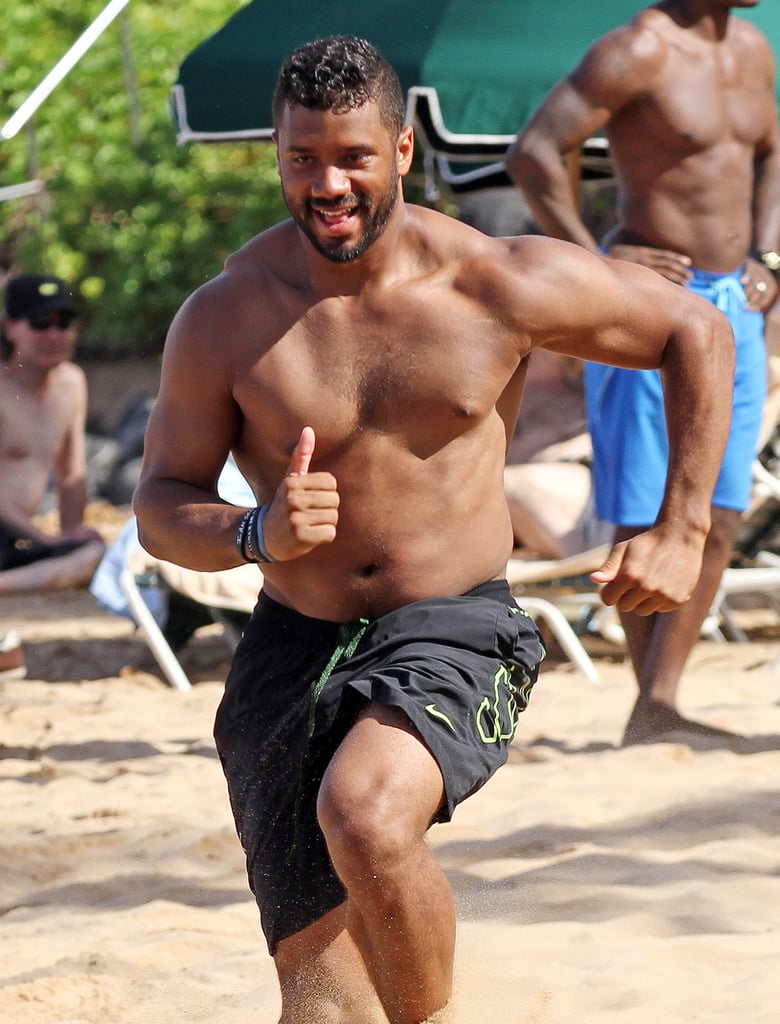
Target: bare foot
654 722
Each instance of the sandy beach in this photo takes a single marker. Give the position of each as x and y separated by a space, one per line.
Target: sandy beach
593 883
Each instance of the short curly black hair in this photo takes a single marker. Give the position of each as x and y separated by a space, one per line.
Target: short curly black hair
340 73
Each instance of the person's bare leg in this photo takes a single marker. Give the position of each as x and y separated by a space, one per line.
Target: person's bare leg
322 976
659 645
377 800
62 573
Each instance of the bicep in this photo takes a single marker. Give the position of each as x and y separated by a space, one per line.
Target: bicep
563 122
614 72
767 145
629 314
584 305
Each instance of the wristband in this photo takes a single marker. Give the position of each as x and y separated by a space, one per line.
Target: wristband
250 539
241 536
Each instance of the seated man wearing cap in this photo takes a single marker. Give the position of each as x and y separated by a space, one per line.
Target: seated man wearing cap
43 408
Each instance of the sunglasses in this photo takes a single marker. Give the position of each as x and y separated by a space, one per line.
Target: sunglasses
43 323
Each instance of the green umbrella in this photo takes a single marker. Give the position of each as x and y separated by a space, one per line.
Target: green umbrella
474 71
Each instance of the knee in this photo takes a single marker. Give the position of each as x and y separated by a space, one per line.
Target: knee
363 830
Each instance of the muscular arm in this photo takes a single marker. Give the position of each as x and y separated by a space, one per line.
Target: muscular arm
697 369
766 193
623 314
191 429
195 422
760 283
535 162
612 74
767 201
766 196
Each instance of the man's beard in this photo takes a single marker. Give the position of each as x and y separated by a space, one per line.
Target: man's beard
374 222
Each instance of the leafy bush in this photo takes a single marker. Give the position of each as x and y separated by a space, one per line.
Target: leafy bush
134 222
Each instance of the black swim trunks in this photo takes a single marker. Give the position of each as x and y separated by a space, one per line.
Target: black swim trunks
16 551
461 668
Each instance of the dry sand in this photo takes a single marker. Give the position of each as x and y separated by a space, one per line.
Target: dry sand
593 883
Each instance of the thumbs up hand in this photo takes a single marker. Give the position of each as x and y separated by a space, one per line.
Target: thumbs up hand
304 512
302 453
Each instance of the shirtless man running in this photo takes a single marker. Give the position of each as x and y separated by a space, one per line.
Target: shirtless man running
43 409
685 93
365 362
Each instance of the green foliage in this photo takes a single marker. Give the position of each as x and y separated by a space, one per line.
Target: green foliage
134 222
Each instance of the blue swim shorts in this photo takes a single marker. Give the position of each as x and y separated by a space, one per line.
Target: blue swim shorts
628 425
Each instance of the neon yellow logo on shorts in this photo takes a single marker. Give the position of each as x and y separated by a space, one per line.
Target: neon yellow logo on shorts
489 713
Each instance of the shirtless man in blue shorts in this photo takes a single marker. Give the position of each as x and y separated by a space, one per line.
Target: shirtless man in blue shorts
685 93
365 361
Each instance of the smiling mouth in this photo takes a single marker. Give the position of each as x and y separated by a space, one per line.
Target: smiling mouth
335 217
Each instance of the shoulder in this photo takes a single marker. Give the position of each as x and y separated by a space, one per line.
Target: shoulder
533 259
270 251
749 37
627 58
448 252
543 286
69 376
536 284
743 29
268 257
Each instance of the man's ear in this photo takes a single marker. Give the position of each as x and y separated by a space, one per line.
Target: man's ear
404 150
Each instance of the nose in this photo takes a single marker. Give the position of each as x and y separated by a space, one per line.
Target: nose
331 181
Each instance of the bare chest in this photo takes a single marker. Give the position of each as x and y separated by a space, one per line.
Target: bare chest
701 101
33 426
423 373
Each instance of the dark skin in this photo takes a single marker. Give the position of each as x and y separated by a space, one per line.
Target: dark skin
685 93
371 402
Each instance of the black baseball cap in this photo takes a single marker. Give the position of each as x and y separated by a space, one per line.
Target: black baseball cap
29 296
